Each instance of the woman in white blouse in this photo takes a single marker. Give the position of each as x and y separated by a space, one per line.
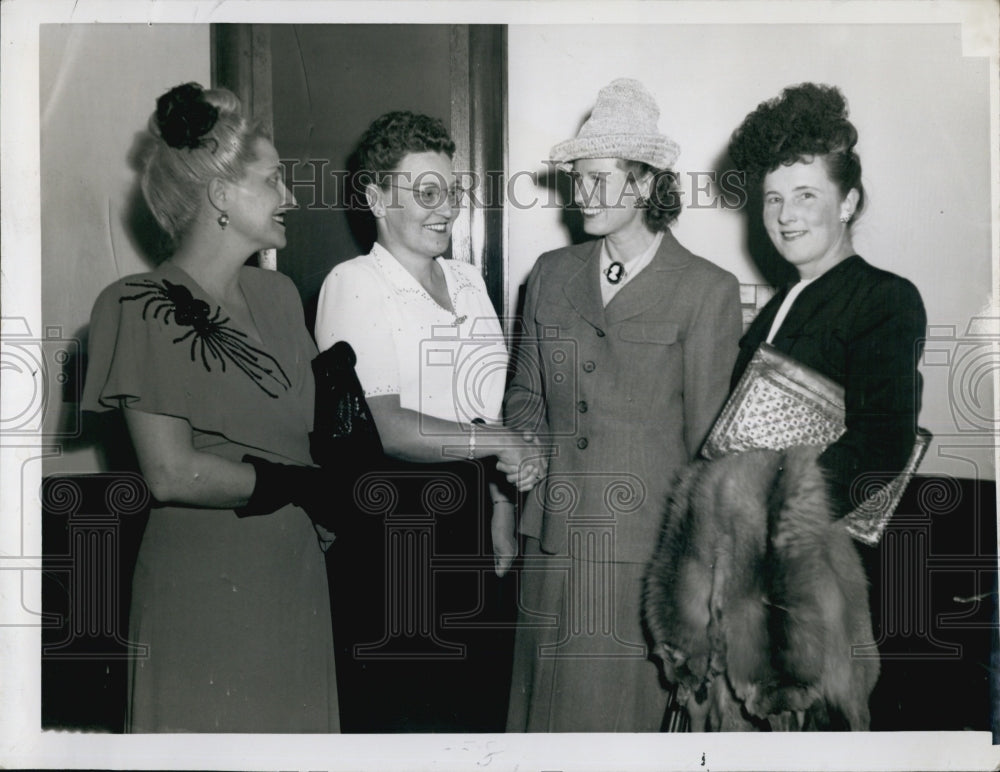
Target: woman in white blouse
433 365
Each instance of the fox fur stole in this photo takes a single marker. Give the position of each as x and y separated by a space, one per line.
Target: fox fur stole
755 597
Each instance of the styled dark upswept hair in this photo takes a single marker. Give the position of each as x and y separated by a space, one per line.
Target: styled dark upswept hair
392 136
807 121
664 203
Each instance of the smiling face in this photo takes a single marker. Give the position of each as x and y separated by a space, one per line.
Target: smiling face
803 208
413 210
260 199
607 196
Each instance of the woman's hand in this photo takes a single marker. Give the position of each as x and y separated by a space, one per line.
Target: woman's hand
524 462
502 530
410 436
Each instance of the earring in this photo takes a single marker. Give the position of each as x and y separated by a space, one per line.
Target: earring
641 203
223 220
845 218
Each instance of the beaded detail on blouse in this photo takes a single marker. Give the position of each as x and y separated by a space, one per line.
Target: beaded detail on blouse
457 283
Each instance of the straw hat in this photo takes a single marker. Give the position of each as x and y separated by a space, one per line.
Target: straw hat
623 124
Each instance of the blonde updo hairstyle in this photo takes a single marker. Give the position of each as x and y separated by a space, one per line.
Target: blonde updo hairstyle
198 135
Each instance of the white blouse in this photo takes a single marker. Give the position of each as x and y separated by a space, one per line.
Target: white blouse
786 306
447 365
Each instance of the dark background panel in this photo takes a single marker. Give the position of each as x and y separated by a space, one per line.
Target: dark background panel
935 620
329 82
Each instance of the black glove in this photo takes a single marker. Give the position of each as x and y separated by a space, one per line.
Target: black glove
316 491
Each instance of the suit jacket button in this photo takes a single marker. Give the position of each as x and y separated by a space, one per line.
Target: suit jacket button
581 406
600 333
589 367
582 443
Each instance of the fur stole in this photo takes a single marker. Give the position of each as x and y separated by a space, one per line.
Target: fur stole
755 597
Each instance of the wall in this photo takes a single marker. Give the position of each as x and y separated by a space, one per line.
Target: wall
922 112
98 85
921 108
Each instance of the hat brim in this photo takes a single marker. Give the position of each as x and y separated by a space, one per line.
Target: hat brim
657 150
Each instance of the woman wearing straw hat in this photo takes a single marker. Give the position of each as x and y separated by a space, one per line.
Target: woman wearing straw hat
629 343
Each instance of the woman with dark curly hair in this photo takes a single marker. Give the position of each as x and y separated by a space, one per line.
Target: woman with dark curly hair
422 626
209 361
855 323
629 343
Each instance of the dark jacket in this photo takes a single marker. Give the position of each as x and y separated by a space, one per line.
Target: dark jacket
864 328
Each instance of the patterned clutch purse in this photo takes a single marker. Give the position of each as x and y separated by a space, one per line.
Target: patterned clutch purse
780 402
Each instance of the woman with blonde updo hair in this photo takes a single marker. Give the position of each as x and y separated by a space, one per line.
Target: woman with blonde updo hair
209 361
174 173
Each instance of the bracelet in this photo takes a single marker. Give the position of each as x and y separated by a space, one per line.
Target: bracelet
472 437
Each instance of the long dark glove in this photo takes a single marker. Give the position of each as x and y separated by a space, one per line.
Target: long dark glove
344 442
318 492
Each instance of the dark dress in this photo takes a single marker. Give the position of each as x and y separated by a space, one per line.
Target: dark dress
235 611
424 627
864 328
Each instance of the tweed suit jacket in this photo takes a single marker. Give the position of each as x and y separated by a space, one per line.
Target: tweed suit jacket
623 396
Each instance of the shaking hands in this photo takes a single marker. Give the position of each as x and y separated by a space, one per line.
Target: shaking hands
524 460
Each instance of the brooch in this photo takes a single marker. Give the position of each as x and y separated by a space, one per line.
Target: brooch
615 272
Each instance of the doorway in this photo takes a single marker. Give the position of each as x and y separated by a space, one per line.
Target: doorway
320 85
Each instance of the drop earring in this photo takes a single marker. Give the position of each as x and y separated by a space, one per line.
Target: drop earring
223 220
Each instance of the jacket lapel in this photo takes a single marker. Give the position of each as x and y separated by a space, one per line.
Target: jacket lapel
652 284
810 303
583 290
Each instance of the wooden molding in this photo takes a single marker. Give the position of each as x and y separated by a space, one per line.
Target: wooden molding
241 62
479 128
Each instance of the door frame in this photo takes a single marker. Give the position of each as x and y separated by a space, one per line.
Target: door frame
241 62
479 128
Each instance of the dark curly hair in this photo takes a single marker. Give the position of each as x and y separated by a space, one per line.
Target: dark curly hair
664 203
806 121
392 136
